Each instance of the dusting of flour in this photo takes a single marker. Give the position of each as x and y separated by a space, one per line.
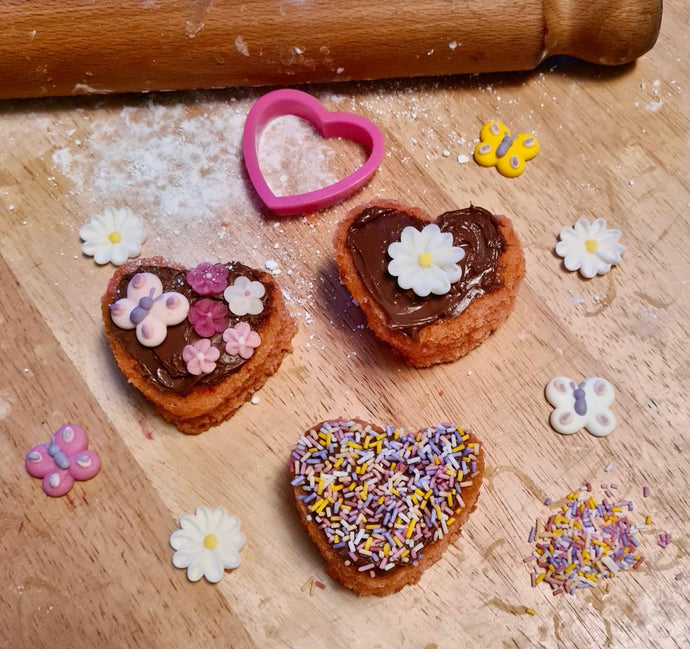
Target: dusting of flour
289 160
4 406
180 163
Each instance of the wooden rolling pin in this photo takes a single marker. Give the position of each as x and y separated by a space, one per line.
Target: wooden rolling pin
81 46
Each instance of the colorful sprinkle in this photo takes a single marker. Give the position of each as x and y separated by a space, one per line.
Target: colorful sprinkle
664 540
308 586
381 496
584 543
530 611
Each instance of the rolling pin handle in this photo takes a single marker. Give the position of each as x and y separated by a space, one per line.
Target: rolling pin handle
606 32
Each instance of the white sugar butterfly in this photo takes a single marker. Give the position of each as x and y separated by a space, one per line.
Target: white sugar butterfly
584 405
148 309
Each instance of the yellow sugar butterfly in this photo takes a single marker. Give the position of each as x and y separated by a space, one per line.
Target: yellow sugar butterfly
498 148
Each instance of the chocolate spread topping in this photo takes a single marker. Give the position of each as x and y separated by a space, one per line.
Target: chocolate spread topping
474 229
164 365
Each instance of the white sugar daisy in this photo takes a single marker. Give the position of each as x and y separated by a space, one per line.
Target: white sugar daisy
207 543
426 261
113 236
590 248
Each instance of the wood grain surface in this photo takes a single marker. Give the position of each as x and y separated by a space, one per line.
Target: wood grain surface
93 569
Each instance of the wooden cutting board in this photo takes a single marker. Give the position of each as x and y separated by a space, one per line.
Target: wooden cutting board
82 47
93 569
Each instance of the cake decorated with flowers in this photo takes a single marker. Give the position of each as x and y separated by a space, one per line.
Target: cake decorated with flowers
197 342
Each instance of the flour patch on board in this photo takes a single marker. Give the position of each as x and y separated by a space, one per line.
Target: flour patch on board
241 46
654 106
181 163
62 158
5 406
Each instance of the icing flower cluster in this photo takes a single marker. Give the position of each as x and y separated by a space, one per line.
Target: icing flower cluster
150 311
209 317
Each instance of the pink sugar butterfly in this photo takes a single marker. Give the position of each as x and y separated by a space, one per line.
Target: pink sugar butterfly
63 460
148 309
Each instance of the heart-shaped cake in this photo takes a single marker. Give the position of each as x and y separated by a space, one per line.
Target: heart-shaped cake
381 504
197 343
432 289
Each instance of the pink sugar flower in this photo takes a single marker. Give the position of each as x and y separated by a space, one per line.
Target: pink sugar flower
208 317
200 357
241 340
208 279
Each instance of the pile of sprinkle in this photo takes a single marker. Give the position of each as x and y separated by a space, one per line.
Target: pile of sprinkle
381 496
584 542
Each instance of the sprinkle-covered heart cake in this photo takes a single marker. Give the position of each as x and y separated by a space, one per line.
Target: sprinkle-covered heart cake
382 504
196 342
432 289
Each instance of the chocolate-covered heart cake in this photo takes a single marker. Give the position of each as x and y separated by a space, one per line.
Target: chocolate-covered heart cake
432 289
196 342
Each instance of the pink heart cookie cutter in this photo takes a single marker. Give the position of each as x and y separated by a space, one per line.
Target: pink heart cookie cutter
330 125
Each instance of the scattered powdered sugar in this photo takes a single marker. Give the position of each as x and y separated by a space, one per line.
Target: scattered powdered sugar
179 163
271 266
296 166
655 105
62 158
241 46
4 406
